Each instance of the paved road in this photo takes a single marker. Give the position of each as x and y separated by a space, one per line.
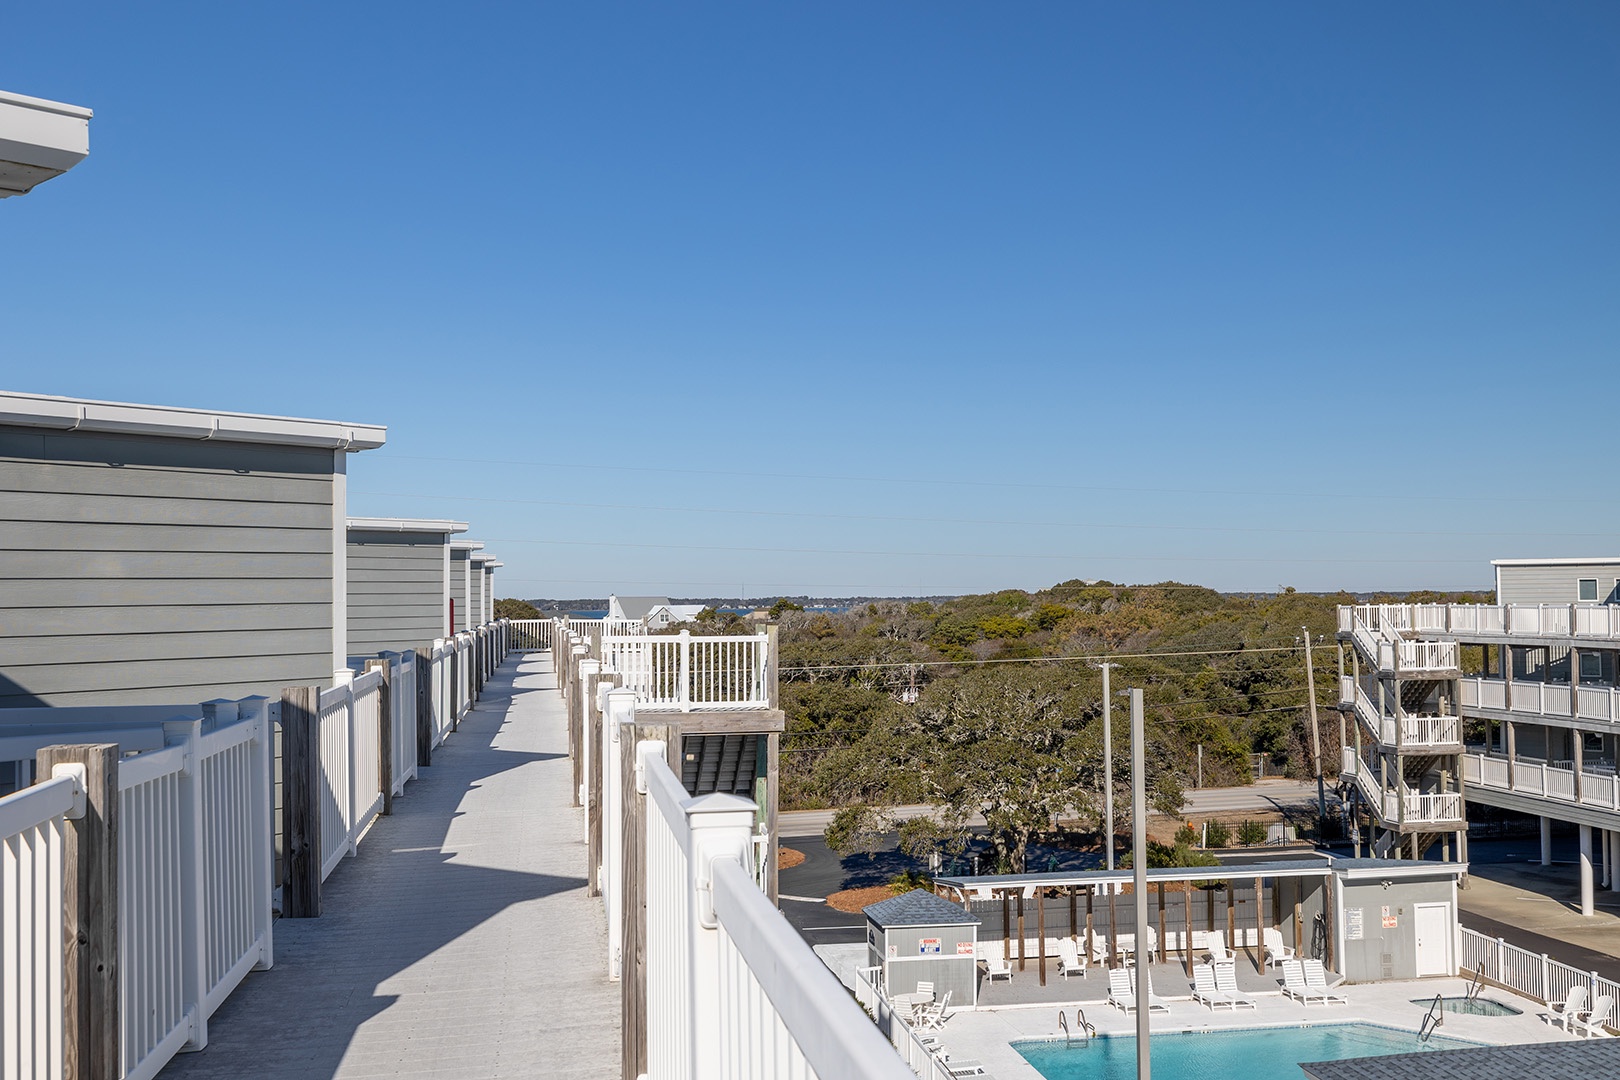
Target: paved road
1262 796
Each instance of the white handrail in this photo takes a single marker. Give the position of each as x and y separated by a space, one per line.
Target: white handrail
1535 975
682 672
32 860
733 992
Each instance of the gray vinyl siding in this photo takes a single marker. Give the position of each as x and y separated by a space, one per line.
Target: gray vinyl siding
396 589
489 596
141 570
476 601
458 587
1554 584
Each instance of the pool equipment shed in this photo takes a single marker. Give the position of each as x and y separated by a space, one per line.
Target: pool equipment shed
918 937
1398 920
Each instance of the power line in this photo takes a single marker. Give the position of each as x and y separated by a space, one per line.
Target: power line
1088 657
1074 557
957 482
1012 523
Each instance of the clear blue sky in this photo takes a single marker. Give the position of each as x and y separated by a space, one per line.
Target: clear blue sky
890 298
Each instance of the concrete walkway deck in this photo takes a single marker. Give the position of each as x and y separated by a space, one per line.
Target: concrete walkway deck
459 942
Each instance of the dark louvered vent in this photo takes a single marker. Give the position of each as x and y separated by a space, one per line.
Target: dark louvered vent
726 763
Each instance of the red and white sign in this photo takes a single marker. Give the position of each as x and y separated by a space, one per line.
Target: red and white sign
928 946
964 948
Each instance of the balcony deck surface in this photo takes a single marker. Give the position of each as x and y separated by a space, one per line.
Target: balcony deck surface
459 942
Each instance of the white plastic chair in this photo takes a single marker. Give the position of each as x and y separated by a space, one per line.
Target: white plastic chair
1590 1024
1276 951
1574 1002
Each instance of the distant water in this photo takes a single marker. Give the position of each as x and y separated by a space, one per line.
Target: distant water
602 614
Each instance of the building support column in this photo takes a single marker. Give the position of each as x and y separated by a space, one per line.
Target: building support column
1586 870
1614 862
1603 853
1546 840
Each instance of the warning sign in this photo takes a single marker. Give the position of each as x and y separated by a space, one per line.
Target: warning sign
1389 919
928 946
1354 927
964 948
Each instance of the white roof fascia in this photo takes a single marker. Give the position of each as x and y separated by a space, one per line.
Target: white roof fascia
79 414
466 545
378 524
39 140
1401 873
1603 560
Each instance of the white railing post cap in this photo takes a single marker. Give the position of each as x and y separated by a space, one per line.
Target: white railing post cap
74 770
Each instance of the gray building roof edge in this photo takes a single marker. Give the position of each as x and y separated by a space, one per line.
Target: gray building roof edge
918 908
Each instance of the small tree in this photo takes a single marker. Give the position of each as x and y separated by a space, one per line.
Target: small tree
1217 835
1186 836
1251 833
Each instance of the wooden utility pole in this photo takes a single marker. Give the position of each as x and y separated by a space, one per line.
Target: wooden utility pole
1316 732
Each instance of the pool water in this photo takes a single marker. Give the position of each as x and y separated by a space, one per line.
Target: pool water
1476 1007
1251 1053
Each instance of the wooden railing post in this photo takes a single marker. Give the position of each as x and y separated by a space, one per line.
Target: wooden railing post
424 708
301 802
633 948
90 978
385 732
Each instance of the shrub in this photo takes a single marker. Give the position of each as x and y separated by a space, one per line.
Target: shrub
1217 835
907 880
1186 836
1251 833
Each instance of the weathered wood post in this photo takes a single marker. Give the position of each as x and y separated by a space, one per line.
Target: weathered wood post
301 802
385 731
90 977
1040 930
593 805
633 944
424 708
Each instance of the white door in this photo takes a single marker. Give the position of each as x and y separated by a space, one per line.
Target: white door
1432 924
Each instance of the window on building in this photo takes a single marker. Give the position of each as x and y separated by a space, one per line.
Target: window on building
1591 667
1588 589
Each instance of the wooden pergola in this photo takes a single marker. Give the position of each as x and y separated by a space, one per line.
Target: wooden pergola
1014 889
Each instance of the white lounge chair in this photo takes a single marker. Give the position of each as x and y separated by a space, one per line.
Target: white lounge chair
1215 942
964 1067
1590 1024
996 966
1294 984
1154 1001
1069 960
1226 983
1574 1003
1316 982
1206 992
1122 993
1276 951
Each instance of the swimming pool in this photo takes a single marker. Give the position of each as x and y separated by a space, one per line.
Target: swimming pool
1252 1053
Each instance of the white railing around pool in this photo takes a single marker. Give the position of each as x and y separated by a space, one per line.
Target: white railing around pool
733 992
1535 975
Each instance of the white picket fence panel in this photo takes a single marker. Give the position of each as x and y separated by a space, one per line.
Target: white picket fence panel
32 827
1535 975
532 634
682 672
194 855
351 781
733 992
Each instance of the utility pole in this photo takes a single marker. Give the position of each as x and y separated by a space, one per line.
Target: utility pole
1316 732
1200 764
1108 763
1139 882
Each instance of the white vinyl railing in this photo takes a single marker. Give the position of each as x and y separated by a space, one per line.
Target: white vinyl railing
532 634
32 860
1541 779
1378 630
1402 805
1601 621
923 1058
1417 730
682 672
733 992
1542 699
194 851
606 627
1535 975
351 784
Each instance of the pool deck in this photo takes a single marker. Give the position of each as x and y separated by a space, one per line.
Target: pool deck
986 1033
